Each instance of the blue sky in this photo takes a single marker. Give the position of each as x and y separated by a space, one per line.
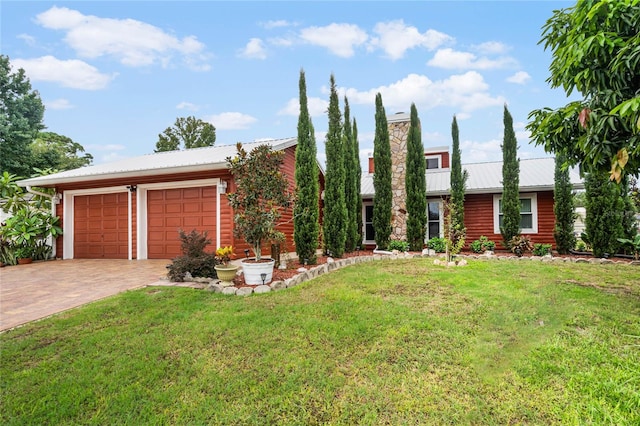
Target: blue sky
113 75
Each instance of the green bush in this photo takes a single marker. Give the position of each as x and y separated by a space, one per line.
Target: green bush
520 244
194 259
482 244
437 244
540 249
581 246
398 245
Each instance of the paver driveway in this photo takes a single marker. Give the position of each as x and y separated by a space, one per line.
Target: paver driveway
30 292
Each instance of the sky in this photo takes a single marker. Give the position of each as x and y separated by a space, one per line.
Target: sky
113 75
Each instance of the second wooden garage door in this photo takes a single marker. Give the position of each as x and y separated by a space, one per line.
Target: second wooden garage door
169 210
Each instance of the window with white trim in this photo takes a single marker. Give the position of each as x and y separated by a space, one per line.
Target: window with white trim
434 218
432 161
367 223
528 213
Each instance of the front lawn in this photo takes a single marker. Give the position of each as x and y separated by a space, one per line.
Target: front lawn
388 342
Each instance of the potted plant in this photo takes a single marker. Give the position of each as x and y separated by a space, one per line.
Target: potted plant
28 230
261 195
225 270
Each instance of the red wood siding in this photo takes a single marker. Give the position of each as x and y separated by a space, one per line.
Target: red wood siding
101 226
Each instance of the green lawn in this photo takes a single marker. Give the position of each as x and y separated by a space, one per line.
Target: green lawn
389 342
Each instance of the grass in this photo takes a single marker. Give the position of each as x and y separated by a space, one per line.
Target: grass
402 342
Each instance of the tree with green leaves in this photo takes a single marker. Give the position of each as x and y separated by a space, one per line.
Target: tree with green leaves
306 211
186 133
356 155
21 115
596 51
351 188
603 223
415 184
458 178
335 209
563 208
510 226
382 202
57 152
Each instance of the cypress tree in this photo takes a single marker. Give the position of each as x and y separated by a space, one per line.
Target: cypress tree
306 211
629 210
603 223
563 208
358 167
510 182
415 185
458 185
382 202
350 189
335 210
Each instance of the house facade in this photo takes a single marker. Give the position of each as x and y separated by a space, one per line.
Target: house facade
133 208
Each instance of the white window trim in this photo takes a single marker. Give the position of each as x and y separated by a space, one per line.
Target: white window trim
430 157
534 212
440 217
365 204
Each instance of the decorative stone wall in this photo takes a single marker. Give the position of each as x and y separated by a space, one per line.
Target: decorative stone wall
398 131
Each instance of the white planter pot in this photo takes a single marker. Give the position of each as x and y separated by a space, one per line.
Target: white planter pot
252 271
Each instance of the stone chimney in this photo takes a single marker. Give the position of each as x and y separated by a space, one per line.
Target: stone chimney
398 125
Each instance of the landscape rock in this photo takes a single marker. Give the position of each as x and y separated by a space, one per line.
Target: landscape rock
278 285
244 291
262 289
229 290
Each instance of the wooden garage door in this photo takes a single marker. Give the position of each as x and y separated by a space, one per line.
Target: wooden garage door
169 210
100 228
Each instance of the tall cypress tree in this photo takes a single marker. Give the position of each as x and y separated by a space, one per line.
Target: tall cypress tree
306 211
335 210
350 189
510 182
458 184
382 202
356 155
563 208
415 185
603 223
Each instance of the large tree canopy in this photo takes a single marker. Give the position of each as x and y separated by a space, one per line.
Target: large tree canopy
186 133
596 51
53 151
21 113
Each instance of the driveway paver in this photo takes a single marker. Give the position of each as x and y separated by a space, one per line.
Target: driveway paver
41 289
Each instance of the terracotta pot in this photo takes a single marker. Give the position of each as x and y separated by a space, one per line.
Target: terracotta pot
226 272
24 260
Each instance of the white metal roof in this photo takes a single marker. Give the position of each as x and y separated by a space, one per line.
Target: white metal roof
535 175
189 160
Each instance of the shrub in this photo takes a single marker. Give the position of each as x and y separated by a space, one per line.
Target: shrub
398 245
520 244
437 244
194 259
540 249
581 246
482 244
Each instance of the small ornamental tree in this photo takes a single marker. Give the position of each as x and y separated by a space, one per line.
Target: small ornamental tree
563 208
458 183
603 223
261 195
415 185
307 210
510 226
351 188
382 202
335 209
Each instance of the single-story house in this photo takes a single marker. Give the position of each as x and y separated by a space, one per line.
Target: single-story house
133 208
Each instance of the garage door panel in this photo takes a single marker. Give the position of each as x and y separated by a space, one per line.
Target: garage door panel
179 208
101 226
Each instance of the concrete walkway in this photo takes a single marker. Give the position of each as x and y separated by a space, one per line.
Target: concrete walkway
41 289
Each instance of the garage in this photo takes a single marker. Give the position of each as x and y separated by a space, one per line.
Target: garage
100 226
169 210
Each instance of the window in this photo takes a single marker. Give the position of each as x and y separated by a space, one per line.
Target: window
432 161
434 216
369 236
528 213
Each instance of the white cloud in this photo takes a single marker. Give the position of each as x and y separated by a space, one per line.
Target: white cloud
71 73
452 59
188 106
276 24
521 77
133 43
108 147
339 39
231 121
395 38
481 152
490 48
59 104
316 107
466 92
254 49
29 40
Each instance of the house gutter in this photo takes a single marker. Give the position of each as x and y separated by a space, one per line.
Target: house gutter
54 202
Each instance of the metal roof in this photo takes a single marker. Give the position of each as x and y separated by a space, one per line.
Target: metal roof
160 163
535 175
